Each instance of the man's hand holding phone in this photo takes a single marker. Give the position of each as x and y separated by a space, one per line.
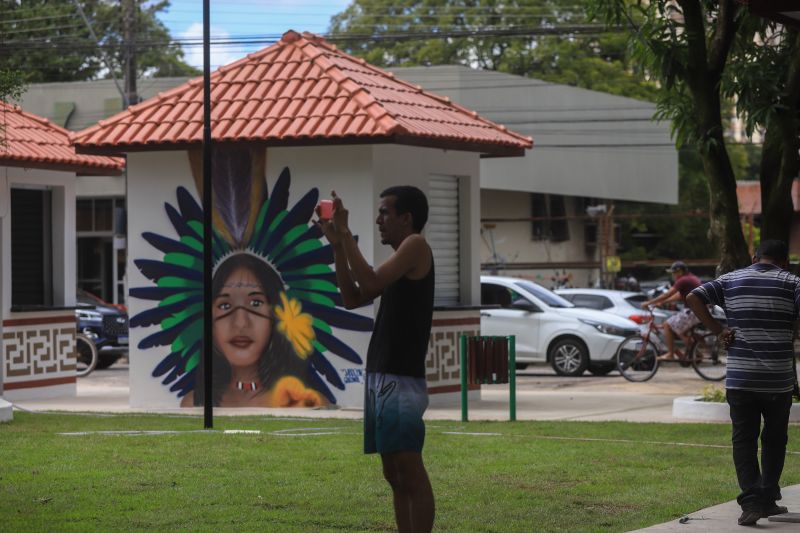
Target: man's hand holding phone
325 209
332 218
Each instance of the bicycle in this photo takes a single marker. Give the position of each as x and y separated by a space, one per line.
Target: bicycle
637 355
86 355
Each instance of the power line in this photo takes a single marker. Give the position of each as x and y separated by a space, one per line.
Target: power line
271 39
17 21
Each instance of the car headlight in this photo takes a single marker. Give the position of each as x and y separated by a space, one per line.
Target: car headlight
608 329
89 316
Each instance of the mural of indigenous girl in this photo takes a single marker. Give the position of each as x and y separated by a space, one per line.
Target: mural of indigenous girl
275 301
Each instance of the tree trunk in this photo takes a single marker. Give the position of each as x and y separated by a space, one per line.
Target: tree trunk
725 228
780 159
704 67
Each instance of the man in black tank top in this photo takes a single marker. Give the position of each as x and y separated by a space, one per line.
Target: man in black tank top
396 394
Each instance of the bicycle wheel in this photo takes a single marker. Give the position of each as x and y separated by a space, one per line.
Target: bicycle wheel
637 359
709 358
86 352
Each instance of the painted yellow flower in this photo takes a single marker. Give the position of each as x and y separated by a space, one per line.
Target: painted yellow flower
295 325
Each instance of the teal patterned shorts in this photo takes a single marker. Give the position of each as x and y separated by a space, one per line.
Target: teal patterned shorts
393 409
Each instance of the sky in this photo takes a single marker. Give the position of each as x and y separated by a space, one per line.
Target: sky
245 19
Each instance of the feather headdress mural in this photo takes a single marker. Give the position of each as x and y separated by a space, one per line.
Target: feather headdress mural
278 248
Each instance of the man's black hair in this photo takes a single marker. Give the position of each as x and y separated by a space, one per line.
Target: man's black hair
772 249
409 199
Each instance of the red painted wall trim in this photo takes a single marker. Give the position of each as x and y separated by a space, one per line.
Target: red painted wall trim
470 321
452 388
39 383
42 320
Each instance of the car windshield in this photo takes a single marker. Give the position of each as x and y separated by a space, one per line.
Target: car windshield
547 296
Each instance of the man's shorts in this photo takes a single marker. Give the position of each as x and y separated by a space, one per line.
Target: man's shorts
393 409
683 321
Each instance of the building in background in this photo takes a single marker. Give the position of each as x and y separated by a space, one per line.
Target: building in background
290 123
547 216
38 171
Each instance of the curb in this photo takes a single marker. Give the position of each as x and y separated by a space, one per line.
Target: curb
689 407
6 411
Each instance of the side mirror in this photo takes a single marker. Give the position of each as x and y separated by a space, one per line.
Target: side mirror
524 305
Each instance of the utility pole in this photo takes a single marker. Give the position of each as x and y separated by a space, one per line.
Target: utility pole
130 10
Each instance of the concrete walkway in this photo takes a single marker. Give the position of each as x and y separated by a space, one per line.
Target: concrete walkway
722 518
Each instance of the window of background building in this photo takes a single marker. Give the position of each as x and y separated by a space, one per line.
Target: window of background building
31 247
551 211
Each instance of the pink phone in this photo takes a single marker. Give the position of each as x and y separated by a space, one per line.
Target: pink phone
326 209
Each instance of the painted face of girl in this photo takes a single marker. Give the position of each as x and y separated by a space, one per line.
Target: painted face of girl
242 318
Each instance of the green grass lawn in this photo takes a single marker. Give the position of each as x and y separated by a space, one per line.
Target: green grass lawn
522 476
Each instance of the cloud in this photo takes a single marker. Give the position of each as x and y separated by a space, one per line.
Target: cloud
220 54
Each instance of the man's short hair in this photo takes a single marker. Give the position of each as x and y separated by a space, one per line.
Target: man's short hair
772 249
409 199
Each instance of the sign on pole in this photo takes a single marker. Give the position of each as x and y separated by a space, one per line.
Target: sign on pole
613 263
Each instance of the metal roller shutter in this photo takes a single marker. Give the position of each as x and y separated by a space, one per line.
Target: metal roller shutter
442 233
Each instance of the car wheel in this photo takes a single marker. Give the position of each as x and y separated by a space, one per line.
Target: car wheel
105 360
569 357
599 369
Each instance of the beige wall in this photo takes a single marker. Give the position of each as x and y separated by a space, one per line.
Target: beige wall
513 242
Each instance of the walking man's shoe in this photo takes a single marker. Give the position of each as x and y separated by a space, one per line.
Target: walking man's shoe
749 517
772 510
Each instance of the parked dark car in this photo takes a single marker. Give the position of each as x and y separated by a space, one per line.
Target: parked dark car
104 323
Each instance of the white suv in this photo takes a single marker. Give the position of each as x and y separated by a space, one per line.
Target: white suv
548 328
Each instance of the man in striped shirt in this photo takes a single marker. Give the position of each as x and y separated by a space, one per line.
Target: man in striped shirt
761 303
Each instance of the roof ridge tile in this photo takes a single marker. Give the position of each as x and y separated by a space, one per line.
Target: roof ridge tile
302 86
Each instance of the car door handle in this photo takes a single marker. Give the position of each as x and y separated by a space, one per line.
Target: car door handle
486 314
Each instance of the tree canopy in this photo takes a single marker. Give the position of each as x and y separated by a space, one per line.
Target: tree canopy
545 39
707 55
48 40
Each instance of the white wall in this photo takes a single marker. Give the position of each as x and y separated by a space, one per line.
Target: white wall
407 165
45 353
357 173
153 178
62 185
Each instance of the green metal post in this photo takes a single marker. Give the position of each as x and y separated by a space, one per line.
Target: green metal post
512 377
464 370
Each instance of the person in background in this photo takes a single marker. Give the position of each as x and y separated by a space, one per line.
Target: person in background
761 303
684 320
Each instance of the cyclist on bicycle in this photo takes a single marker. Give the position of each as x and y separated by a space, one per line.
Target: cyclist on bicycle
680 323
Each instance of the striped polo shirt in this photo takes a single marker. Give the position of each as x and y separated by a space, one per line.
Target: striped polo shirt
761 303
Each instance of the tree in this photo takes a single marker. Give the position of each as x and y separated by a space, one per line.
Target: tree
48 41
11 85
764 78
754 64
11 88
494 35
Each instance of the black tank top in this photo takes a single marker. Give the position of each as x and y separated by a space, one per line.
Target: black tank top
399 342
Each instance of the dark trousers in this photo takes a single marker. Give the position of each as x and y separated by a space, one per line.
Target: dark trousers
759 486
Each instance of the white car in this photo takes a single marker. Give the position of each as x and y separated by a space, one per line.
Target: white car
550 329
626 304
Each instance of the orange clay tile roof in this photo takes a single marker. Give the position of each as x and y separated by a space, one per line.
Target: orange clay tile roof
300 91
34 142
749 195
